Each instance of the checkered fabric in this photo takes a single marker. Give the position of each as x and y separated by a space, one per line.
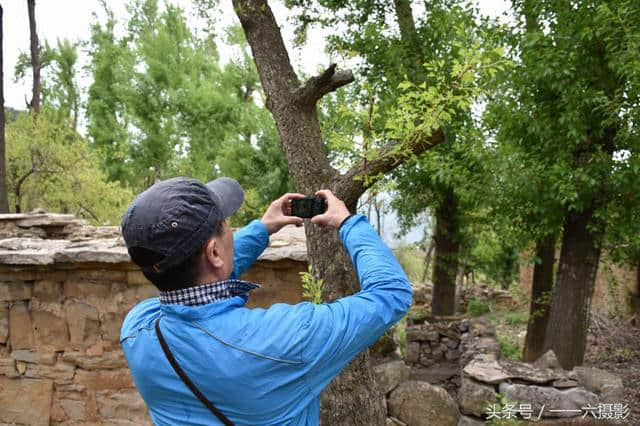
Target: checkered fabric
207 293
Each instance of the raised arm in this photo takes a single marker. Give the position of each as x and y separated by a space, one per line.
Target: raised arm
249 242
335 333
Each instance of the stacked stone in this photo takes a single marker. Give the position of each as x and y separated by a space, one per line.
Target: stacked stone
433 342
65 288
60 358
450 340
478 337
544 389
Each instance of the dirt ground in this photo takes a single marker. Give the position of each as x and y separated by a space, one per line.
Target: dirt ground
615 347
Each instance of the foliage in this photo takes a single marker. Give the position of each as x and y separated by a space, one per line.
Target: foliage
312 287
565 117
59 87
412 262
50 166
161 105
509 349
515 318
478 307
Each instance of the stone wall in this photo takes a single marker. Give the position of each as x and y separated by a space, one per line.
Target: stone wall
65 288
438 348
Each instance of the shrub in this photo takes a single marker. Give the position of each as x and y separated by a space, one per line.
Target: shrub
478 307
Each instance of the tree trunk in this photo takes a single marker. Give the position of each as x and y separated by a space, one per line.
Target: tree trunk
427 258
508 267
541 289
636 298
568 322
4 201
352 398
35 57
445 268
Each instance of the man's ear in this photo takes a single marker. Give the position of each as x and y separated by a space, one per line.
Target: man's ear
213 253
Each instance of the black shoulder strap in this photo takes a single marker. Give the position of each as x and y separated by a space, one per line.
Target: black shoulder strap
186 379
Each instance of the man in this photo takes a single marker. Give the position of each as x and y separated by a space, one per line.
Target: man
256 366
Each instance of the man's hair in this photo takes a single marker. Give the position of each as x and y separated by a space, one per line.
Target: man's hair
182 276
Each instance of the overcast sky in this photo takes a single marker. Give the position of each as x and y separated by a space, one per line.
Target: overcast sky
59 19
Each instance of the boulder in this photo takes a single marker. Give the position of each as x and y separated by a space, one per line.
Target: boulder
548 360
474 397
390 374
608 386
422 404
553 400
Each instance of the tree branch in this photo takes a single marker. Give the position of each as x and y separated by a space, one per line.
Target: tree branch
316 87
353 183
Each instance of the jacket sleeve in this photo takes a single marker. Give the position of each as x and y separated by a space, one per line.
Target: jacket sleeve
248 243
335 333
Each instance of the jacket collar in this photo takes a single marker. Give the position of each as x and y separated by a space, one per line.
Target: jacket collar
207 293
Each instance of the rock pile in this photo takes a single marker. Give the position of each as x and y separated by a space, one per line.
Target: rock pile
412 402
438 348
537 391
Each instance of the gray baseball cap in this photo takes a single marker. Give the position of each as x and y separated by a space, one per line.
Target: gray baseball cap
174 218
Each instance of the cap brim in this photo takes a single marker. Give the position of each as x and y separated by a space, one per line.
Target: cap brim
229 193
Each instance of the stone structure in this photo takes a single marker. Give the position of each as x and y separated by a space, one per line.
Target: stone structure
438 348
542 389
65 288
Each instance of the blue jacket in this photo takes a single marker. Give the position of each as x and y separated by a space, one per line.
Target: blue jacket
263 366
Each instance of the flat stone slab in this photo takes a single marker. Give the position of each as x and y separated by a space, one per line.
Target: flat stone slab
494 372
105 244
29 251
288 243
107 250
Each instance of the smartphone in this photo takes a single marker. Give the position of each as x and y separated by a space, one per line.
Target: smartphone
308 207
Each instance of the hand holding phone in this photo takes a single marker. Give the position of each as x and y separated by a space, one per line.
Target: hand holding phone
308 207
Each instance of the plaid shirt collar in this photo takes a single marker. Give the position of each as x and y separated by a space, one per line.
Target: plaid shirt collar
207 293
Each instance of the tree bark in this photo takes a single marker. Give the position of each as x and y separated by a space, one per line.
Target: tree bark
541 289
409 38
35 57
352 398
4 201
445 269
566 332
636 298
427 258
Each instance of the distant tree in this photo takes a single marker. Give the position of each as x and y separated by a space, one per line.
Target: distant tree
4 201
58 86
160 105
51 167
